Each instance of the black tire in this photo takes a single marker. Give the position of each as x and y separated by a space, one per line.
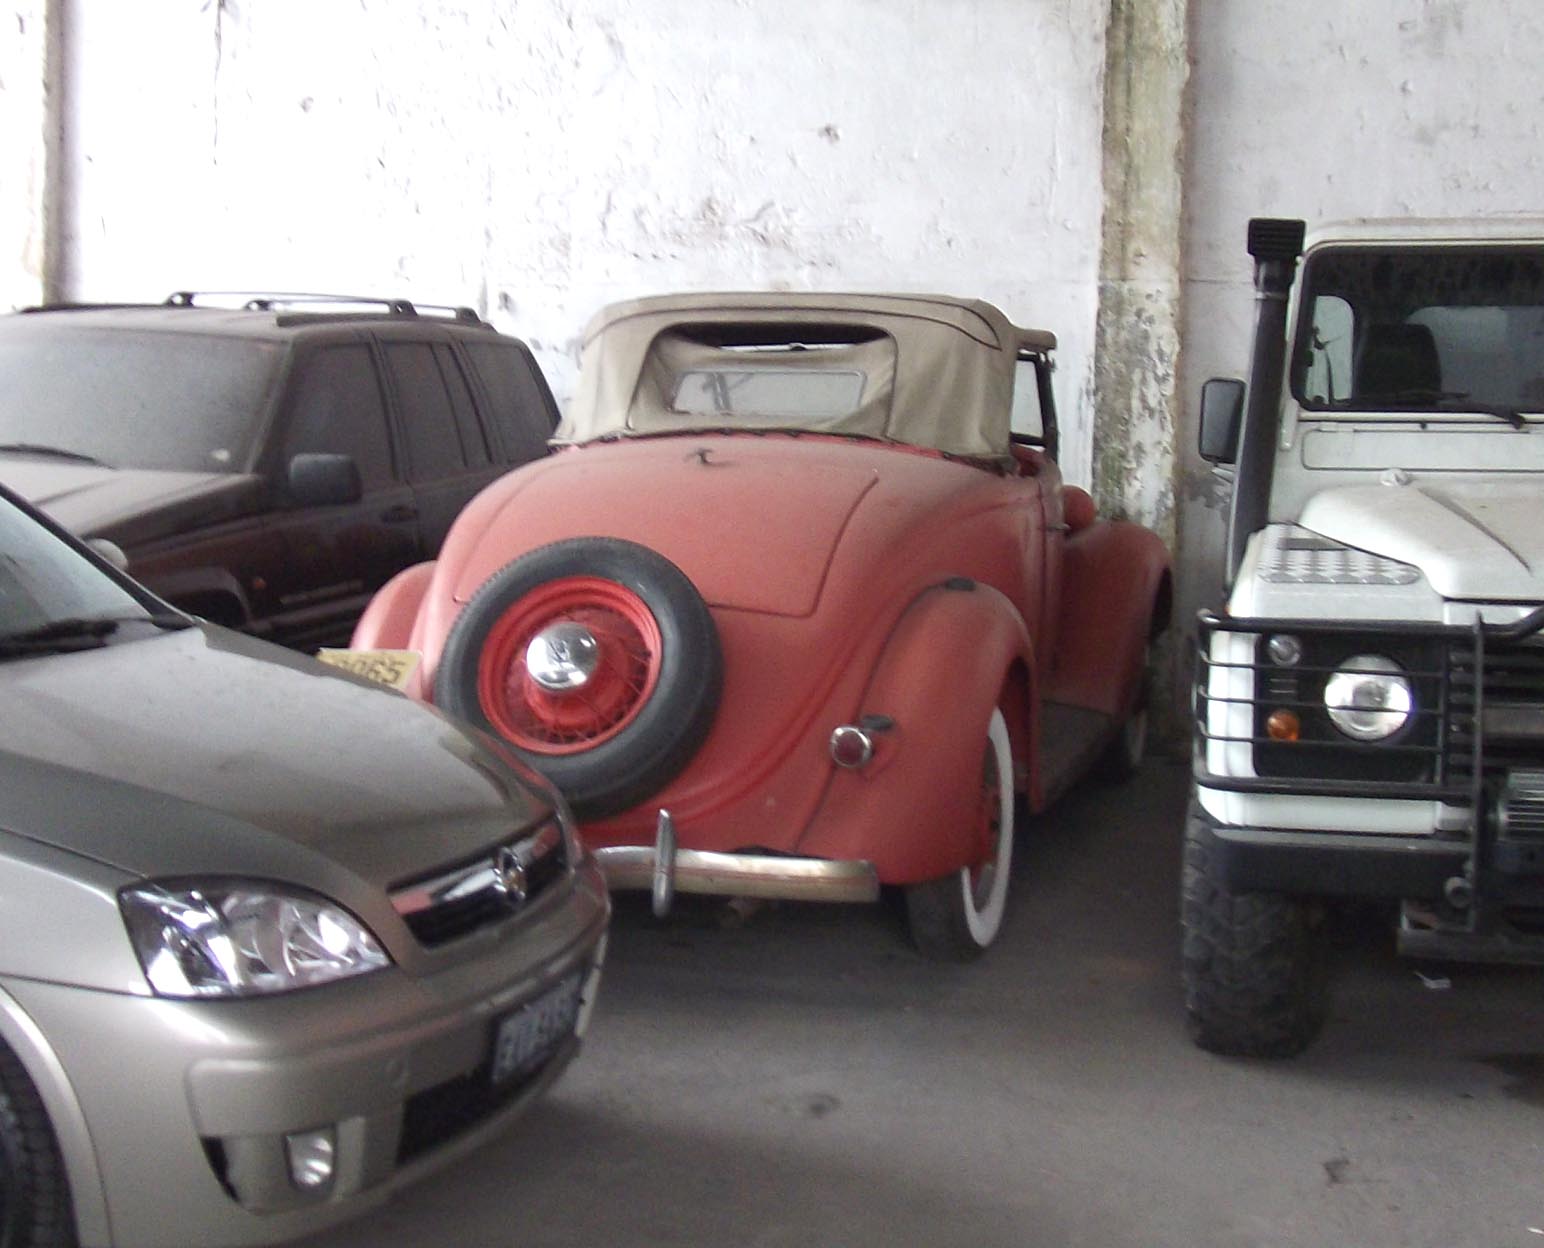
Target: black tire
1122 758
1255 965
956 918
664 733
34 1192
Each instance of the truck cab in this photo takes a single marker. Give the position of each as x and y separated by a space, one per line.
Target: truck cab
1369 699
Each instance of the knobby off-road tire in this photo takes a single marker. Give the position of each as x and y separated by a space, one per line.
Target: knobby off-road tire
662 693
955 918
34 1193
1255 965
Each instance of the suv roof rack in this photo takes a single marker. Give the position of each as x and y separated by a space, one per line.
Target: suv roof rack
273 301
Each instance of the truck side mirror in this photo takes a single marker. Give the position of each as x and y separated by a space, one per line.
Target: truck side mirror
324 480
1222 414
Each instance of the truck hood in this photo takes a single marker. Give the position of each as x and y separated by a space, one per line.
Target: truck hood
1478 542
129 505
752 521
203 752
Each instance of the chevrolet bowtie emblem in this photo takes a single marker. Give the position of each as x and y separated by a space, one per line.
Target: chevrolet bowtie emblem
509 875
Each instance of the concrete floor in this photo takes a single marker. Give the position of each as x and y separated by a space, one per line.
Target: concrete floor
803 1079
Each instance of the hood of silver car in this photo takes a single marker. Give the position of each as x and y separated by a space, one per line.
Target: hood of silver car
202 751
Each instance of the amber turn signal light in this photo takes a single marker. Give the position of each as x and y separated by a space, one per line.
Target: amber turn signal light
1283 726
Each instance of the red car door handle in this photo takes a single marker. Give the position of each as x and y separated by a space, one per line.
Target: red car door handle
399 512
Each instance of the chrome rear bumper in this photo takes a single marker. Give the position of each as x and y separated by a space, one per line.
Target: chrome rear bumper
666 870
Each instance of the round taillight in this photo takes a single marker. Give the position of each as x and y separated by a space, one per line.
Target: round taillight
851 747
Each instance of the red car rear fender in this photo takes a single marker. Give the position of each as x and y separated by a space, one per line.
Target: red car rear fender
1115 599
958 651
390 621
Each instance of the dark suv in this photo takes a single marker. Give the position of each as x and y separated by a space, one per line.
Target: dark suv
267 465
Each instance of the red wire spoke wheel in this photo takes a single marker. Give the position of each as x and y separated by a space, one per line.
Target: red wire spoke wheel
530 715
596 660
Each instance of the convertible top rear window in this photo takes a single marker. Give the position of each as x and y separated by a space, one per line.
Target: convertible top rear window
793 394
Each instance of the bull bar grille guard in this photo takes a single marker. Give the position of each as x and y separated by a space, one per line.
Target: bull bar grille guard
1463 666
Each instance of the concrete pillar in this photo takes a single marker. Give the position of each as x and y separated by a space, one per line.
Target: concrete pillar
30 56
1137 334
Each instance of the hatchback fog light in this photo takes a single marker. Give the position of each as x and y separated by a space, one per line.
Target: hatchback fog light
1368 698
312 1157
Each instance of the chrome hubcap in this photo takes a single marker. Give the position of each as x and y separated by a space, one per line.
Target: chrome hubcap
562 657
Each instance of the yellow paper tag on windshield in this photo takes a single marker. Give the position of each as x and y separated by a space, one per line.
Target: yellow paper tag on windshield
386 667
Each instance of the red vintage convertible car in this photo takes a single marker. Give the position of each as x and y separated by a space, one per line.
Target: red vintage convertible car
804 606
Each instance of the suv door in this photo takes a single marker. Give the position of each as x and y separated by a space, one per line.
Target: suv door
338 554
449 456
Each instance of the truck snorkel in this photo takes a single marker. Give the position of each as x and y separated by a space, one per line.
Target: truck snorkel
1275 244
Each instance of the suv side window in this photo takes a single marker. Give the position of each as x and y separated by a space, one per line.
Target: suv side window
336 408
520 410
474 440
428 421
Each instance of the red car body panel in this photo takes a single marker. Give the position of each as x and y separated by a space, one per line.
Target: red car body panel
849 579
840 617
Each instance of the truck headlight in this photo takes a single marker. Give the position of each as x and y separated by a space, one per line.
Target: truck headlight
1368 697
243 938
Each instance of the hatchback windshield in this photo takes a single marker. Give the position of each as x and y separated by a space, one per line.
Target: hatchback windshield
44 583
1423 328
131 399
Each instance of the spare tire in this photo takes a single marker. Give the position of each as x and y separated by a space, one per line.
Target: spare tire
597 660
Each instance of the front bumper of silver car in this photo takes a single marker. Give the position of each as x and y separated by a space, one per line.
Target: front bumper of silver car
202 1116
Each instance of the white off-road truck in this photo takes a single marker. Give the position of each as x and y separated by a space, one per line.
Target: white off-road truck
1370 702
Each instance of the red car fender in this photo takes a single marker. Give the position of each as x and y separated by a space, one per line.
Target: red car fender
391 620
958 651
1115 598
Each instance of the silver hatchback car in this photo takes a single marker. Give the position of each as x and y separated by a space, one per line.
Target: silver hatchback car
273 940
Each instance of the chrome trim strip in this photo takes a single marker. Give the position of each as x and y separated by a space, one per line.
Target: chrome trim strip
471 879
742 875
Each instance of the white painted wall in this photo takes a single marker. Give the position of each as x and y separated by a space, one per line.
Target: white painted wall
1329 111
23 158
537 158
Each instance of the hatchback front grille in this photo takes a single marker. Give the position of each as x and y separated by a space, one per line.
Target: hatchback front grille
487 888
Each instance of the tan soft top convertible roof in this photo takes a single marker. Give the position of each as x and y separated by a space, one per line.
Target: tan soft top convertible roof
935 371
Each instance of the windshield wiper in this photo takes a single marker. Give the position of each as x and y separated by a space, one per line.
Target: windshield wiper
53 452
78 633
1438 400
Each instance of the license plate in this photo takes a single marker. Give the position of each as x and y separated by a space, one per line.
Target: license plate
386 667
525 1038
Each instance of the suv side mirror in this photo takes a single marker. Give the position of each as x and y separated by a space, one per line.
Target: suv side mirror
317 480
1222 415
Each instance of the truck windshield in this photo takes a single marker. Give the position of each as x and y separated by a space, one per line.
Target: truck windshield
131 399
1422 328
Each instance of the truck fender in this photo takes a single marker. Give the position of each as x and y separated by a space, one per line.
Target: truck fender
1116 597
959 650
23 1037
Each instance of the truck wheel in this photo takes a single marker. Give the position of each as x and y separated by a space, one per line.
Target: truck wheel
955 918
34 1194
629 677
1255 965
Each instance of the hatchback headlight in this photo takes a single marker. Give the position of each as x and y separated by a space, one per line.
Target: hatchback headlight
243 938
1368 697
